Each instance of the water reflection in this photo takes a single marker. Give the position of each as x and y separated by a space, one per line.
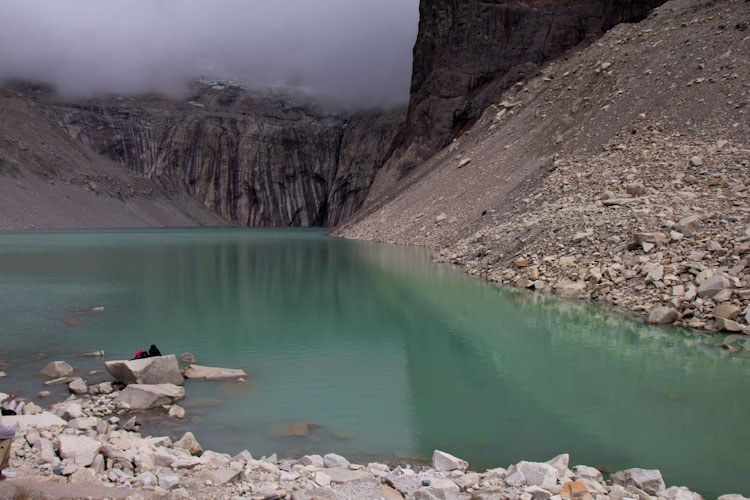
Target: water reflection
381 351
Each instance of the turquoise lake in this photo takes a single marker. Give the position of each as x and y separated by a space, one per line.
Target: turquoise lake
388 353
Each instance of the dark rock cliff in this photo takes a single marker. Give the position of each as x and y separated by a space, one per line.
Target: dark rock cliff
469 51
254 160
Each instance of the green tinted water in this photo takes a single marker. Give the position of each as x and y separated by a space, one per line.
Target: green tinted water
390 354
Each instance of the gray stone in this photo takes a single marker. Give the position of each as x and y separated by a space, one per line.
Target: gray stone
212 373
186 358
78 386
83 476
189 444
57 369
439 489
445 462
681 493
560 463
586 472
571 289
662 315
44 420
696 161
515 478
538 474
80 450
654 238
224 475
732 496
168 481
688 225
314 460
578 237
647 480
154 370
713 285
538 493
333 460
728 325
345 475
145 396
635 189
177 411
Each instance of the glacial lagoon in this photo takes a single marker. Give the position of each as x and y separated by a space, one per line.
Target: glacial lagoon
386 354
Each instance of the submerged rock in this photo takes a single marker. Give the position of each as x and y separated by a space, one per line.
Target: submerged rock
213 373
57 369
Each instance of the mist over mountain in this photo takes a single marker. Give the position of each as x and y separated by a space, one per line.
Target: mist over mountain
354 52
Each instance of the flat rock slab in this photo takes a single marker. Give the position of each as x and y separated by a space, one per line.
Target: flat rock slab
155 370
44 420
213 373
145 396
341 475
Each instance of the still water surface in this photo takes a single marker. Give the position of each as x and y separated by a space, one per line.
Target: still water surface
388 353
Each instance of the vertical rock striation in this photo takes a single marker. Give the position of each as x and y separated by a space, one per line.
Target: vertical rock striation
254 160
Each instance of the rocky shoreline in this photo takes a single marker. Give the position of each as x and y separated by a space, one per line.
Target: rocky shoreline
655 227
90 443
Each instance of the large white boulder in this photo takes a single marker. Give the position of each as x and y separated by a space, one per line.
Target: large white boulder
43 420
213 373
155 370
649 480
538 474
80 450
145 396
445 462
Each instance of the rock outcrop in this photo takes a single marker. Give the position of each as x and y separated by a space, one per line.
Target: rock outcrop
255 160
468 53
145 396
154 370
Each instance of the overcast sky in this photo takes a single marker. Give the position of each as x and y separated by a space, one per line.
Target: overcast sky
356 51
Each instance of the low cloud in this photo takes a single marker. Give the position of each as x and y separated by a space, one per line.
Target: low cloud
355 52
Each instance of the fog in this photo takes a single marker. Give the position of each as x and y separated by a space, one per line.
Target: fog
355 52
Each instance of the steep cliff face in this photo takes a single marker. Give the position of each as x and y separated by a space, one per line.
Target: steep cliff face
254 160
468 52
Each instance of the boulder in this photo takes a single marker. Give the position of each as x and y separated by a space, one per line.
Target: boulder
662 315
445 462
78 386
538 493
333 460
314 460
213 373
44 420
80 450
560 463
713 285
439 489
647 480
653 238
168 481
681 493
177 411
688 225
586 472
224 475
155 370
145 396
538 474
186 358
188 443
84 476
57 369
726 311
